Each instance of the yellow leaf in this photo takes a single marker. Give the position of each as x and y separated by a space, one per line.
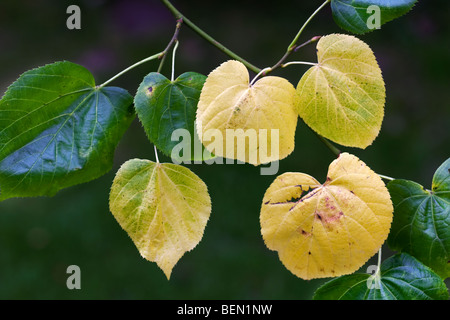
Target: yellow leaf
330 229
164 208
342 97
247 113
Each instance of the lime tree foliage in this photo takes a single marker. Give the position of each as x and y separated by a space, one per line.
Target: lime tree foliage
58 128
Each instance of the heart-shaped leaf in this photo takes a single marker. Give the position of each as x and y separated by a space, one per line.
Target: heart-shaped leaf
421 224
342 97
58 129
361 16
261 116
401 277
331 229
164 208
164 106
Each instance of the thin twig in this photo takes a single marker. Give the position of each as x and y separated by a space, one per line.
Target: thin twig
294 42
161 55
280 62
329 145
293 45
313 39
174 38
208 38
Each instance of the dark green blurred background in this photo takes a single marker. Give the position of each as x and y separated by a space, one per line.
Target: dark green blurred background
41 237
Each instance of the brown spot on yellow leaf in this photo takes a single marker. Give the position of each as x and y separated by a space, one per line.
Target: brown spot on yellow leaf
326 221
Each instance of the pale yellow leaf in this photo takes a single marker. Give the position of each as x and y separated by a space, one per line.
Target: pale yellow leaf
330 229
247 113
164 208
342 97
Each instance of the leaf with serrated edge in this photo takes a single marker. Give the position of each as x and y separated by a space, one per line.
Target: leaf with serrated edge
58 129
342 97
402 277
229 102
164 209
164 106
354 16
331 229
421 224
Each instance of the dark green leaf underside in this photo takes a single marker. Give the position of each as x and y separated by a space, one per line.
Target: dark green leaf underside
167 111
402 278
353 15
57 130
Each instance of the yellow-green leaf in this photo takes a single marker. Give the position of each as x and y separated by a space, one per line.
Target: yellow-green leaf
164 208
330 229
229 104
342 97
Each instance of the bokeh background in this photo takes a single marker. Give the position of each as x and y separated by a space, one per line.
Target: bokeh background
41 237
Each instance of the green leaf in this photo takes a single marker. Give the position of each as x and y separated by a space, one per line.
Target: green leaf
57 129
359 17
441 181
342 97
164 106
421 224
163 207
402 277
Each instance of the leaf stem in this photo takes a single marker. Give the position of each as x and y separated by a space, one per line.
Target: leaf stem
386 177
172 76
379 259
294 42
156 154
259 74
313 39
293 45
207 37
377 273
288 53
153 57
298 62
374 281
329 145
161 63
161 55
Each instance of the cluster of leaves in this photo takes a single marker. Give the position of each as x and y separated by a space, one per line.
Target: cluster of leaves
58 129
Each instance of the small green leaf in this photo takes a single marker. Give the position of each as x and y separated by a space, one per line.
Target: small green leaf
402 277
421 224
164 106
360 16
57 129
441 181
